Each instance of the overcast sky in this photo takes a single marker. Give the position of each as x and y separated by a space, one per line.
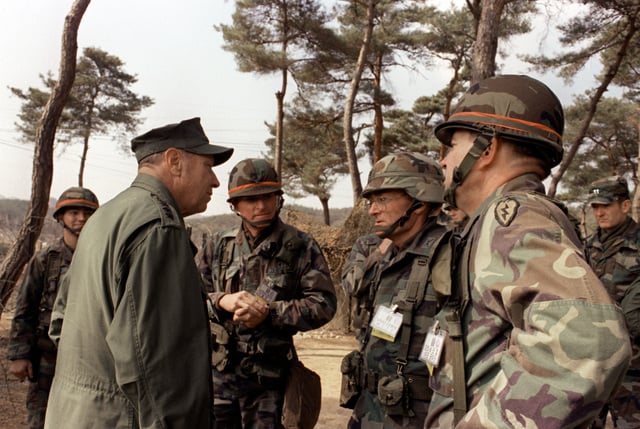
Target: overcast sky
173 49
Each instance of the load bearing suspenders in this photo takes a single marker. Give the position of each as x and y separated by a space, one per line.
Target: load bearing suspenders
416 287
453 316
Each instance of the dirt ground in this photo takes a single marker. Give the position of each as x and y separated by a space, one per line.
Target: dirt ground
321 351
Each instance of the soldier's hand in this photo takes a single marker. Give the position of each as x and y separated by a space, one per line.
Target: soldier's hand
247 308
21 369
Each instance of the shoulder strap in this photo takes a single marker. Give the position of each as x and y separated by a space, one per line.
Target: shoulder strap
225 257
54 264
453 313
416 288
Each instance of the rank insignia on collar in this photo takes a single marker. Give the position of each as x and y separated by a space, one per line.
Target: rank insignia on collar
506 211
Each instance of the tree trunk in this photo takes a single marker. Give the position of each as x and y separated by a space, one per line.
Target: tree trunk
347 124
593 105
325 210
635 206
83 160
378 120
22 249
277 161
486 45
280 95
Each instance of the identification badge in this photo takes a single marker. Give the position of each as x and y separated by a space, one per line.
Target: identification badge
433 345
386 322
267 293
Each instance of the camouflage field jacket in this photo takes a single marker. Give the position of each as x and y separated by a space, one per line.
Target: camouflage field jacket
389 286
35 301
615 257
544 344
287 268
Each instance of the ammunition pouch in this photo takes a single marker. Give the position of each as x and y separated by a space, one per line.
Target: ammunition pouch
269 373
275 348
394 395
221 350
351 386
268 358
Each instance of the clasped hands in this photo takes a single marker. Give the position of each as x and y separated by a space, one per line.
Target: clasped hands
247 308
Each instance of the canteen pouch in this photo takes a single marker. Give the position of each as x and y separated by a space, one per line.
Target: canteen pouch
350 388
393 393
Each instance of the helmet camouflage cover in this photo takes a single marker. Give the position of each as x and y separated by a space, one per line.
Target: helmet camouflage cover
418 175
253 176
76 197
514 106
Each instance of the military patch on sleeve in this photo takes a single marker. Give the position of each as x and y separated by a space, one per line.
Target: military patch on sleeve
506 211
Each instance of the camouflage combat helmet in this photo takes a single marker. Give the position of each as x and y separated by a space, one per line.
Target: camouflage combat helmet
608 190
253 176
514 106
76 197
418 175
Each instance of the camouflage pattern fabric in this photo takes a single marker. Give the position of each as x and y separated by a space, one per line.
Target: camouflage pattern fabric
608 190
251 177
386 281
544 344
418 175
298 286
362 253
28 338
513 106
615 257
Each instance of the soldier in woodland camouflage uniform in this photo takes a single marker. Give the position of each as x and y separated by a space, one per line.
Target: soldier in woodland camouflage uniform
527 336
405 195
614 253
32 353
268 280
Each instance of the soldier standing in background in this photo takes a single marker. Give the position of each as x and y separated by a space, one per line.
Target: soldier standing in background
396 304
268 280
527 335
614 254
31 352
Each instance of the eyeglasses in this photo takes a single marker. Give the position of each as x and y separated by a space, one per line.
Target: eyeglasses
380 201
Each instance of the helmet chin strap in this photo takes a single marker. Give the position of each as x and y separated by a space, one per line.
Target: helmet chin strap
480 144
387 231
261 223
72 231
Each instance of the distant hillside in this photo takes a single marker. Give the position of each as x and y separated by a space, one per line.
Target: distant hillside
12 212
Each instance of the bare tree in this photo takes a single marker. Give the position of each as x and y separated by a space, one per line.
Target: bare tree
347 124
486 45
23 247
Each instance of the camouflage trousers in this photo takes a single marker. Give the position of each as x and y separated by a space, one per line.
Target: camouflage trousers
38 391
245 402
624 408
368 413
625 405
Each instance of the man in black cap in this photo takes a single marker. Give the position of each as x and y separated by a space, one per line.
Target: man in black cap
614 254
134 341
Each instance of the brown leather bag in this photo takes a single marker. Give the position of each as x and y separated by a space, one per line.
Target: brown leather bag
302 398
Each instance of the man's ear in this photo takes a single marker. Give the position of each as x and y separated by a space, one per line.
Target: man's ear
626 206
488 156
173 160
